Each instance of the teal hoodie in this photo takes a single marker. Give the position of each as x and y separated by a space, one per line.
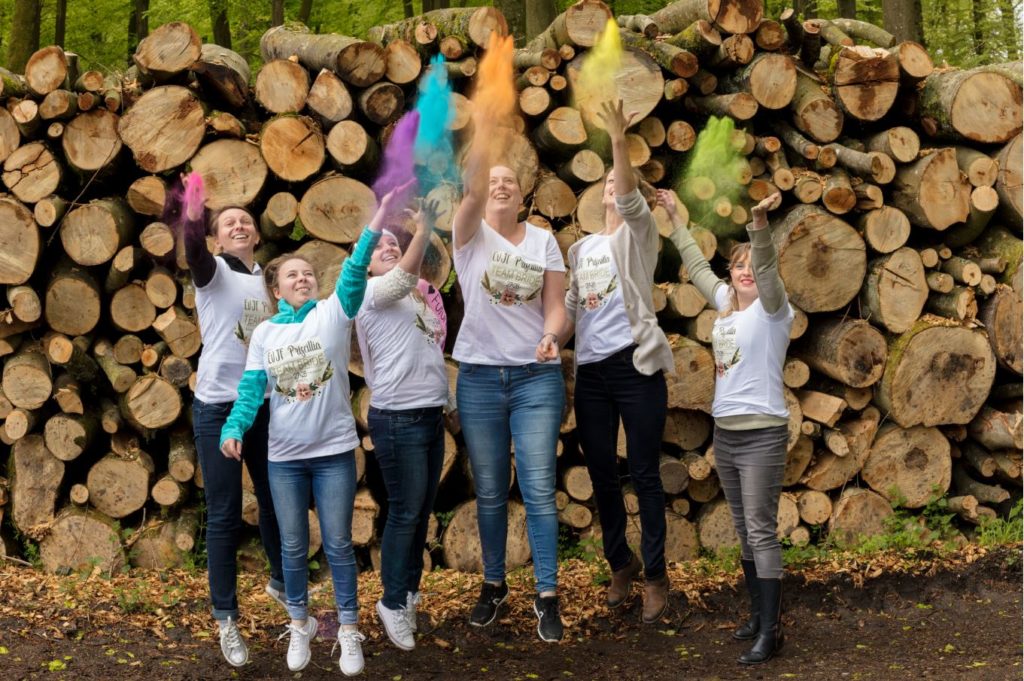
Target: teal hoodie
350 289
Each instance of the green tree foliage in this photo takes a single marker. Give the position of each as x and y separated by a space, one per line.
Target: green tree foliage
959 32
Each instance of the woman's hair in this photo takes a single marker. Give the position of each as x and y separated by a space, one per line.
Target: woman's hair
270 272
211 223
738 253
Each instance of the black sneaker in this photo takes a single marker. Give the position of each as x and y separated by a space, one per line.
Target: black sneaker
549 626
486 608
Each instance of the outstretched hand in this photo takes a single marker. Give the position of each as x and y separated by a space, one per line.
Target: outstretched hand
615 122
667 199
194 196
760 212
389 204
426 216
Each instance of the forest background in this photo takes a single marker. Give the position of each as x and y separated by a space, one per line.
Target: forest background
104 33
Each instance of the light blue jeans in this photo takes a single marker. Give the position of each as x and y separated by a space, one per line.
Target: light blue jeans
331 481
499 405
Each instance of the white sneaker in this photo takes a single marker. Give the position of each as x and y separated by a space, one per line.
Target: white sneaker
411 601
298 644
277 595
396 624
232 644
351 661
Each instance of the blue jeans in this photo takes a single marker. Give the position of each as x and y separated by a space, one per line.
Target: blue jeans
500 405
606 391
409 447
332 482
222 483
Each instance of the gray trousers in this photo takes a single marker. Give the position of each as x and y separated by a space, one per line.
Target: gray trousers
750 465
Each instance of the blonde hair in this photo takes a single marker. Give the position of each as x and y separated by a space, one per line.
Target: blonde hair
738 253
270 272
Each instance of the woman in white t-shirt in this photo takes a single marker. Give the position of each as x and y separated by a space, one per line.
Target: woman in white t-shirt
622 356
302 353
510 387
749 339
400 340
230 301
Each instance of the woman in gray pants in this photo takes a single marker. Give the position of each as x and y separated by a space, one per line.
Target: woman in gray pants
749 339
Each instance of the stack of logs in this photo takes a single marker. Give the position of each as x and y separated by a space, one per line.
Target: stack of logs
899 243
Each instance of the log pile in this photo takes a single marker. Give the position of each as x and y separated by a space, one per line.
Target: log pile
899 243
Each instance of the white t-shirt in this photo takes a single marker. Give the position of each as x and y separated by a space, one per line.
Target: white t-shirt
230 307
750 348
501 286
403 361
602 326
307 370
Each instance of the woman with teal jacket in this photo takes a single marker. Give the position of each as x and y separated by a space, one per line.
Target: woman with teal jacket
302 352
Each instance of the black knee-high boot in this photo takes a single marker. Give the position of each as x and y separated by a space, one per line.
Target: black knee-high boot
749 629
769 638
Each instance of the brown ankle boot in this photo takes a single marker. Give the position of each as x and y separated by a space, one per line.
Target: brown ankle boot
655 599
618 590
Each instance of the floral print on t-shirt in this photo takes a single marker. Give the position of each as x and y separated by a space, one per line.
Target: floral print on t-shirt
511 280
300 370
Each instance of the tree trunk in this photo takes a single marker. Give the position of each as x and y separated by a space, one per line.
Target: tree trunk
1010 180
357 62
93 234
234 172
82 539
220 23
73 301
336 196
293 147
859 513
175 112
715 528
949 106
850 351
936 357
24 33
223 73
997 430
35 479
895 290
815 113
539 15
903 19
908 467
932 192
32 172
814 248
693 386
1003 318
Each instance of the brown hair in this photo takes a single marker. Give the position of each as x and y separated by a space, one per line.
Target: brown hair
271 270
737 253
211 223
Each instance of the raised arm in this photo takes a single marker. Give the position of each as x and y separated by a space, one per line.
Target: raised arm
616 123
201 263
351 285
763 257
470 212
396 284
696 264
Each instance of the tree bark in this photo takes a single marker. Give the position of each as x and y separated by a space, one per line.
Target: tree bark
24 34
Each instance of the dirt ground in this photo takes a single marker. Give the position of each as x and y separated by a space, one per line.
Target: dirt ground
892 618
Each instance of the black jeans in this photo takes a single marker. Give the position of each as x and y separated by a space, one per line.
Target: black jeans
222 485
606 391
409 447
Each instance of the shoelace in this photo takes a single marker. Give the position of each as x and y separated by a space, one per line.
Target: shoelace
293 642
347 640
230 635
400 621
